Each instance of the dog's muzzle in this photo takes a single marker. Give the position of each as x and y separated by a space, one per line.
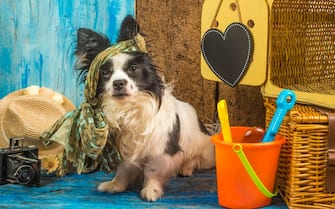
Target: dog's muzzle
120 87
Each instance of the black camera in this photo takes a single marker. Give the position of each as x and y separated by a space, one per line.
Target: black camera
19 164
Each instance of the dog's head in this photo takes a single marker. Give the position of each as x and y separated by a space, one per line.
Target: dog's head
122 75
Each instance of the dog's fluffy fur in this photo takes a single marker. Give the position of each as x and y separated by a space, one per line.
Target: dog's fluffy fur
157 135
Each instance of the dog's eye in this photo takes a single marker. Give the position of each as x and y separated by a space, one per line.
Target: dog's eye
133 68
105 72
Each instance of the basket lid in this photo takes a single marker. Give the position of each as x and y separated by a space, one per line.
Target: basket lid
301 55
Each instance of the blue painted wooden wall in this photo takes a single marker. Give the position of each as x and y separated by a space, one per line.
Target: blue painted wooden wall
37 40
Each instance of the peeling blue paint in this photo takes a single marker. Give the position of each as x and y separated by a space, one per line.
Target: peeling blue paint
38 39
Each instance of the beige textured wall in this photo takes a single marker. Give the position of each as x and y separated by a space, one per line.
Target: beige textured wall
173 35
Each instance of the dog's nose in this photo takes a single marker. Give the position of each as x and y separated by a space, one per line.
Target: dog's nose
119 84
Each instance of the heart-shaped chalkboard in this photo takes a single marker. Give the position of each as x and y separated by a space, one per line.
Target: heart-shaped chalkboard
228 54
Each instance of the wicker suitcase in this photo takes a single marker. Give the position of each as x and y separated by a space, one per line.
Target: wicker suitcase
302 58
302 170
302 50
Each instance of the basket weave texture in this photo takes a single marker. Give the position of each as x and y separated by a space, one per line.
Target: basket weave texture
301 174
302 58
303 45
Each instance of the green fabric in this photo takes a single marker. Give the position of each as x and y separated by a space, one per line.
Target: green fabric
84 132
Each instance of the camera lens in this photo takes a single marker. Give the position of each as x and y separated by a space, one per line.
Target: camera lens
24 174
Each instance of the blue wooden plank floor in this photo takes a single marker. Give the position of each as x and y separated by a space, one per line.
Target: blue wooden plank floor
79 191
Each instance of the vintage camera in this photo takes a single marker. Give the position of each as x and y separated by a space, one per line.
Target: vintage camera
19 164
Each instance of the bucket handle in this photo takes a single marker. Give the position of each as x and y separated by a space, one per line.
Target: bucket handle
237 148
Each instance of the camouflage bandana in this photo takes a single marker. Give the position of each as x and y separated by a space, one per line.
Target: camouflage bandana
84 132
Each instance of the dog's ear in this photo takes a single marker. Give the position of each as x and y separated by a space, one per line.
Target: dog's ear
89 44
129 28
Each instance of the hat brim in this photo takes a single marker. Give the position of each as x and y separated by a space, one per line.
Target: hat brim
55 149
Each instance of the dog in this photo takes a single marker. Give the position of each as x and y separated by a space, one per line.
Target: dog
157 135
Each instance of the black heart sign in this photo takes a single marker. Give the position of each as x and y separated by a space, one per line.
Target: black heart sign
228 54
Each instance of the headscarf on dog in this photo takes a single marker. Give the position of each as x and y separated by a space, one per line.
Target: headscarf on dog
84 131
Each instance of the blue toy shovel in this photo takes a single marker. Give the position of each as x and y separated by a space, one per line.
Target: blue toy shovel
284 102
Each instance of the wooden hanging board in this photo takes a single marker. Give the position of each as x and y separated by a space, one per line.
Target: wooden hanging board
253 14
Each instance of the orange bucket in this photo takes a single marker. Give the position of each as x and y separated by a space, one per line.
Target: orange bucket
236 187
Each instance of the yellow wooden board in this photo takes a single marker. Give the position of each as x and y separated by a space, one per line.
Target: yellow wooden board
322 100
231 11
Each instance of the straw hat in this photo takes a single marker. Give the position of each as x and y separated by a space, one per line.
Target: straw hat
27 113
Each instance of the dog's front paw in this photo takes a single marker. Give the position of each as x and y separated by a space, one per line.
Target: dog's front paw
186 172
151 194
112 187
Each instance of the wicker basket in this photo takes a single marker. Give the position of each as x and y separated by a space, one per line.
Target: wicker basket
303 161
302 58
302 50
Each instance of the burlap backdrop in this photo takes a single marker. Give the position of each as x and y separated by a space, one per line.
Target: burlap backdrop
173 34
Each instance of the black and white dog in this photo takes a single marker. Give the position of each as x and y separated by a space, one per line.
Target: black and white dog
157 135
